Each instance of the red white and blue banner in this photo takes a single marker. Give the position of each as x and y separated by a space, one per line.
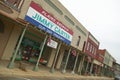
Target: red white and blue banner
37 16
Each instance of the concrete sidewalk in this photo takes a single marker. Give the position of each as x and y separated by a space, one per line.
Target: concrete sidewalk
43 72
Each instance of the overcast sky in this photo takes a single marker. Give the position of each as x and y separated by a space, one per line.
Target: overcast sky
102 19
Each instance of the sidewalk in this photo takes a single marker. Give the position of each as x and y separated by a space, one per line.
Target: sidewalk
43 72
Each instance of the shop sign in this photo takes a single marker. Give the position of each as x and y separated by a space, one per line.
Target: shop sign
89 59
51 43
37 16
74 52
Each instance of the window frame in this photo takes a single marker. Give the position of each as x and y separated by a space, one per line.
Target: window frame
78 41
15 4
91 48
88 46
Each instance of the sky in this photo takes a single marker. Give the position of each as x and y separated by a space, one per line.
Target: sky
102 19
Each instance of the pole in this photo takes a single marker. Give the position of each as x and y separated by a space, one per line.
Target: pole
36 66
53 65
11 64
86 70
73 71
64 69
91 68
81 65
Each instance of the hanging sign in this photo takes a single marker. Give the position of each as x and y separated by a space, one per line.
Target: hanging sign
74 52
37 16
51 43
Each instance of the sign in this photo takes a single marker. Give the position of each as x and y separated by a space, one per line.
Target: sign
89 59
52 44
74 52
37 16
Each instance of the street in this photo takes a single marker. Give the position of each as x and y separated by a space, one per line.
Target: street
47 78
31 78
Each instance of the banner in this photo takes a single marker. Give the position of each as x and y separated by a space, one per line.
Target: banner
37 16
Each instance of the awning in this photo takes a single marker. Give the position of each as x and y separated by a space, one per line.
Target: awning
97 63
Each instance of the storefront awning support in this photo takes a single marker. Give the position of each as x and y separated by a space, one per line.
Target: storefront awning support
53 65
103 69
91 67
73 71
36 68
64 68
81 64
86 70
11 64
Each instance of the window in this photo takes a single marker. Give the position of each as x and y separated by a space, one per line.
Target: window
54 6
84 46
88 45
16 4
78 42
91 48
95 51
69 20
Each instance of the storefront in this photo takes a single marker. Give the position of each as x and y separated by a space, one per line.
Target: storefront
35 36
42 40
30 47
8 36
88 65
72 61
97 67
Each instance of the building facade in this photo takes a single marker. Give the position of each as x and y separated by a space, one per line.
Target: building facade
91 49
41 32
107 69
116 68
45 32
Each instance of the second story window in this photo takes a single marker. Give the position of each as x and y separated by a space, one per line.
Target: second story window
91 48
95 51
78 42
88 45
16 4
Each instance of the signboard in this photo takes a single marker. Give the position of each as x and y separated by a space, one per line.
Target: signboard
37 16
74 52
52 44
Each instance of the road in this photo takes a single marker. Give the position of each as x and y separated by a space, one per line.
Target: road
45 78
32 78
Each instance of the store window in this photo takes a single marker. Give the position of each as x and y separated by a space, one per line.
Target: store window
29 50
16 4
1 27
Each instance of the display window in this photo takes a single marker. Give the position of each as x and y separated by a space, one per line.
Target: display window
29 51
